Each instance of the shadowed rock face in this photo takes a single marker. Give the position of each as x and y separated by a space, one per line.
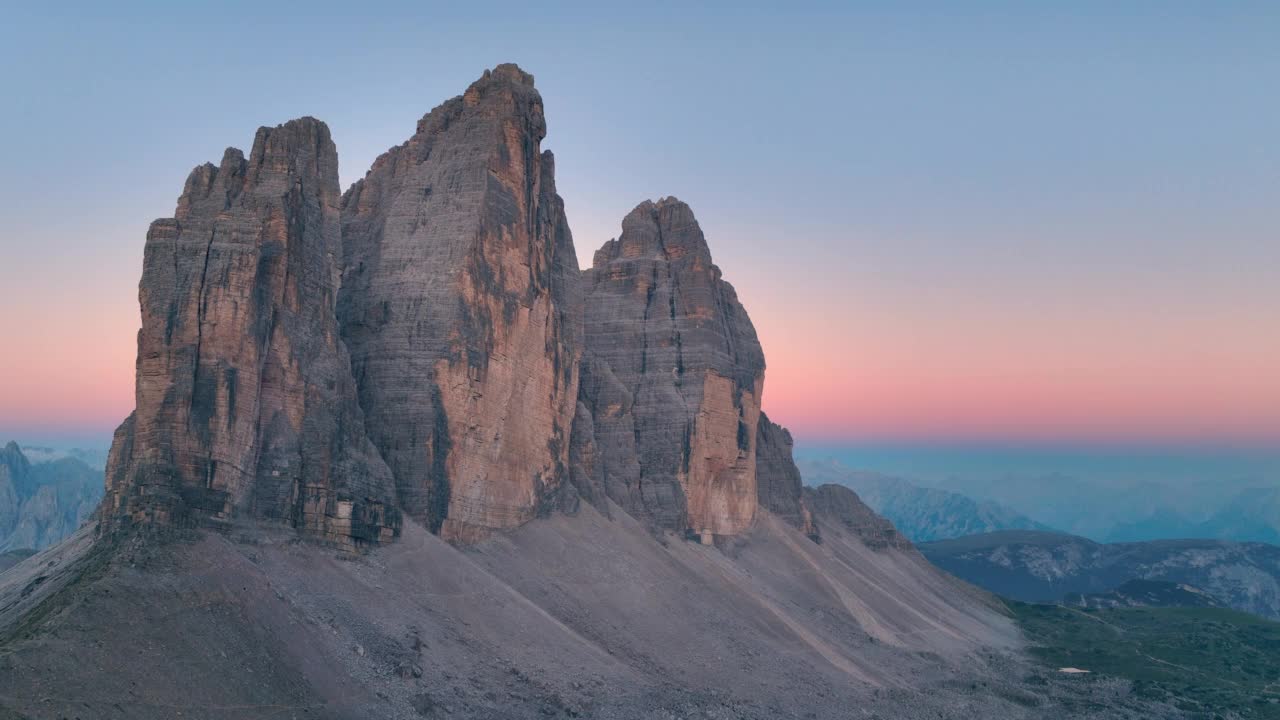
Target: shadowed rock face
778 480
839 504
245 401
458 305
675 379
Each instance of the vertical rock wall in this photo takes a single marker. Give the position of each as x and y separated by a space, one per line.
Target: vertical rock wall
778 479
458 305
675 377
245 402
426 344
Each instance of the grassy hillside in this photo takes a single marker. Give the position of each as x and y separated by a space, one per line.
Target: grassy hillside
1207 660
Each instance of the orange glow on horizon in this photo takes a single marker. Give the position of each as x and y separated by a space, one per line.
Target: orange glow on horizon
847 360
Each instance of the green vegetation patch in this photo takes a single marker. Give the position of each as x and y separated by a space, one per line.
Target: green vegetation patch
1202 660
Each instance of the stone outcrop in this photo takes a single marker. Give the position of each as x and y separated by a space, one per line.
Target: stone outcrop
674 379
837 503
458 304
778 481
425 344
245 400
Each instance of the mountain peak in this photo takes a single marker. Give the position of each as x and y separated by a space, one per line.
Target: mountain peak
666 229
507 72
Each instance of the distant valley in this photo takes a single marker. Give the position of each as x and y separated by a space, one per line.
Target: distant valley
1037 566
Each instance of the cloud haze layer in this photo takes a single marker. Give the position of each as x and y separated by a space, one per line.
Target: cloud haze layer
1025 223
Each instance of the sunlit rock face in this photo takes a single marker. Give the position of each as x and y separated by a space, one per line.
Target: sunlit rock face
459 302
245 400
674 377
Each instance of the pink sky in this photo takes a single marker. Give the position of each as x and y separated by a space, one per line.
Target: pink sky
1039 224
852 355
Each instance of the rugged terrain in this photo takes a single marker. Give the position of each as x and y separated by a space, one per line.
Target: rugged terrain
43 502
569 616
1046 567
461 309
393 455
922 514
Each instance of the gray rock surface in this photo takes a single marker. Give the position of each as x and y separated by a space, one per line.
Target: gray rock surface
9 558
838 503
458 303
434 316
245 401
778 480
563 617
675 377
431 348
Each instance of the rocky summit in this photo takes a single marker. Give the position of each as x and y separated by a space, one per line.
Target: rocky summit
424 345
246 406
393 455
676 376
778 480
459 296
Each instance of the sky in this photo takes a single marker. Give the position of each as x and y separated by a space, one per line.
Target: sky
1010 223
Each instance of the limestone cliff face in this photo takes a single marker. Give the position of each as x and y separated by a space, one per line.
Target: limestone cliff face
837 503
458 304
778 481
245 400
675 375
425 344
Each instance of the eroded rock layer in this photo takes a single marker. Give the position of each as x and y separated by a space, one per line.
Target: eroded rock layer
675 375
458 306
245 400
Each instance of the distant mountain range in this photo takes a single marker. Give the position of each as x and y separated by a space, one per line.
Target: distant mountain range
1242 509
43 502
1036 566
95 458
922 514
